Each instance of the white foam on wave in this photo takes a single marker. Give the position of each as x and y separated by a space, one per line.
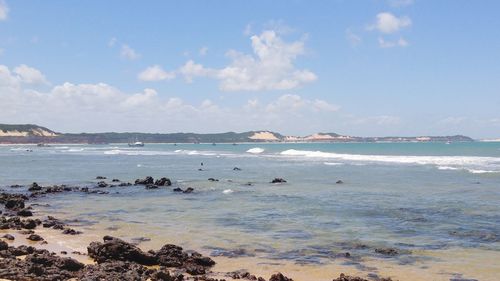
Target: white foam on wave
227 191
447 168
474 171
255 150
333 163
475 163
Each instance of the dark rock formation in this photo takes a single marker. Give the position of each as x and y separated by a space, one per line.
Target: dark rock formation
279 277
102 184
278 180
34 187
163 182
188 190
114 249
100 178
145 181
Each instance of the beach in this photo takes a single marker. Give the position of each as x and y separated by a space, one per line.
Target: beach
410 211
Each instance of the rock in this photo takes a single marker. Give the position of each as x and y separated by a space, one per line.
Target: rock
188 190
34 187
52 222
236 169
278 180
151 186
145 181
344 277
102 184
16 186
125 184
100 178
15 203
35 237
25 213
212 179
3 245
9 237
117 270
173 256
115 180
71 231
339 182
279 277
387 251
178 189
114 249
163 182
29 223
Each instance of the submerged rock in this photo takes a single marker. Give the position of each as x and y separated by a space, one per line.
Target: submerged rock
35 237
236 169
188 190
178 189
100 178
339 182
387 251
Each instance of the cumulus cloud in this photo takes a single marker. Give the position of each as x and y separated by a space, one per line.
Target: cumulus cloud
30 75
103 107
128 53
4 10
270 67
388 23
391 44
155 73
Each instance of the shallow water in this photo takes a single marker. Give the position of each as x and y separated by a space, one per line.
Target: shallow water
425 199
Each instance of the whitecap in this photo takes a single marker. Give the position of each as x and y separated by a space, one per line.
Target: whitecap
459 162
333 163
227 191
255 150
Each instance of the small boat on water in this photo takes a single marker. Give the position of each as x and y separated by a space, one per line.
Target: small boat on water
136 144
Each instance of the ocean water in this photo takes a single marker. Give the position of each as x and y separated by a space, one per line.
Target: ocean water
421 198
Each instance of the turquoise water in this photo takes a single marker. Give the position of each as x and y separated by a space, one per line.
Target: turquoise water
412 196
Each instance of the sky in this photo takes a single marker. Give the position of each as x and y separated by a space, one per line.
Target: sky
364 68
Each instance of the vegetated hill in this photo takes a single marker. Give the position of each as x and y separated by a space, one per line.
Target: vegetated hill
38 134
26 130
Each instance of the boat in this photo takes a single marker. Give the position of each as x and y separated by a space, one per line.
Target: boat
136 144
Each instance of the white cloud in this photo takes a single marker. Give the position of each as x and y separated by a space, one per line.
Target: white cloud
389 23
128 53
155 73
271 67
4 10
391 44
203 51
353 38
30 75
70 107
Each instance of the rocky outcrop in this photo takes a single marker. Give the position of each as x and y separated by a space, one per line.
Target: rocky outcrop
145 181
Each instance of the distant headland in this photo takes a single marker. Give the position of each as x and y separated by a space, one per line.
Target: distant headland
28 133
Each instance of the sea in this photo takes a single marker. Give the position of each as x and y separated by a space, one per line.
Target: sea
437 204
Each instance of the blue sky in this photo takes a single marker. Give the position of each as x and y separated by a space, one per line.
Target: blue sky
375 67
